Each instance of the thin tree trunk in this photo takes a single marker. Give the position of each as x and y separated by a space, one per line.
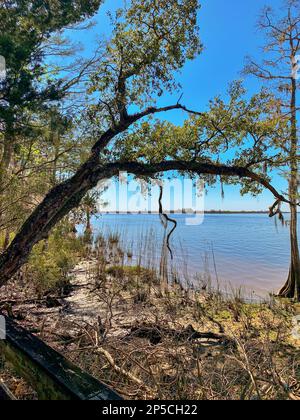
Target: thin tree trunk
6 239
88 220
292 287
5 159
88 233
4 173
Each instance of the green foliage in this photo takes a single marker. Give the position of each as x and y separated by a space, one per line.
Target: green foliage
51 261
239 132
25 30
34 133
151 41
131 272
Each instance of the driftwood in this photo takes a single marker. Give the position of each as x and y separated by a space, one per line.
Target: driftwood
155 333
120 370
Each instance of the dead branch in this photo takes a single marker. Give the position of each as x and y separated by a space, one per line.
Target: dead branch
155 333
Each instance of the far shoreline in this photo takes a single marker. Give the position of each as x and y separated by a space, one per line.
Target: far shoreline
187 212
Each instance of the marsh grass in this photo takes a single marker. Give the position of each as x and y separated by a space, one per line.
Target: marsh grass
148 342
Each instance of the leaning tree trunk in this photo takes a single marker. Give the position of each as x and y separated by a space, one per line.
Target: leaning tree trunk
292 287
68 195
57 204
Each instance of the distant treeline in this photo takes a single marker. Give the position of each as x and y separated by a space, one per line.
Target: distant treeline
193 212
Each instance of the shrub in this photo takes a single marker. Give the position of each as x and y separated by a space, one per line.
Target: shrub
52 260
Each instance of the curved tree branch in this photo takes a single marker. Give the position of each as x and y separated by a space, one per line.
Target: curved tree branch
105 139
68 195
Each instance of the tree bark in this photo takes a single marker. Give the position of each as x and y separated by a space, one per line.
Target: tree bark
5 161
292 287
88 227
6 239
4 173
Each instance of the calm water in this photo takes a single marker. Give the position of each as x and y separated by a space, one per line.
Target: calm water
246 250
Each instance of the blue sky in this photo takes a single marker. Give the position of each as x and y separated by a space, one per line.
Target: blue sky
228 32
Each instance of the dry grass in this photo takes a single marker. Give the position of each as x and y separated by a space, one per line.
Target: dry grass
152 340
153 359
